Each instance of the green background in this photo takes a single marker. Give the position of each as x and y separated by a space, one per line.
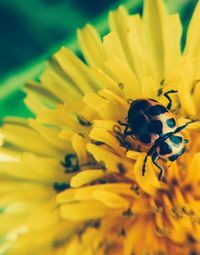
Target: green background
31 31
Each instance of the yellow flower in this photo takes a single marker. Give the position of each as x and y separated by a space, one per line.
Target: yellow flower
71 183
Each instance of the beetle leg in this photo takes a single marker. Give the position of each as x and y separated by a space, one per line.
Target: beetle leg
126 132
152 152
149 153
184 126
168 98
122 123
144 165
154 159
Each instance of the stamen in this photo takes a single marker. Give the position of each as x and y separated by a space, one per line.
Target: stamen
121 168
128 213
60 186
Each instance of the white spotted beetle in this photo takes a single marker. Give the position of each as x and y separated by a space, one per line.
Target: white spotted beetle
154 124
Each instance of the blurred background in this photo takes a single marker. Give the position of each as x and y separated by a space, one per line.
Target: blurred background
31 31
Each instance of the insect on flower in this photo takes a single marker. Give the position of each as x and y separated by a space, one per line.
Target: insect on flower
154 125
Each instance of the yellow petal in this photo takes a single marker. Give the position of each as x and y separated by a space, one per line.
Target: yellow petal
74 69
59 86
44 169
79 145
86 177
34 103
193 36
50 134
186 99
124 75
86 193
133 154
113 46
86 210
118 21
149 88
141 62
110 199
66 196
193 176
104 106
101 135
106 124
106 81
149 182
49 116
74 247
112 162
91 45
65 135
162 37
196 96
15 132
38 98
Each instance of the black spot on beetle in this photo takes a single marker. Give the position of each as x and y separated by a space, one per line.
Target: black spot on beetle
145 138
176 140
140 105
157 110
165 149
175 156
155 126
137 123
171 123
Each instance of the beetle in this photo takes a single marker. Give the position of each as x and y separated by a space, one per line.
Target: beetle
154 125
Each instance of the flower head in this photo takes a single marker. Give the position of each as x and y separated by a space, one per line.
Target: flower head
71 182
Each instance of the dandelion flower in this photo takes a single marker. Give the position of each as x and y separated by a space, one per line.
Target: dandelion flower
70 182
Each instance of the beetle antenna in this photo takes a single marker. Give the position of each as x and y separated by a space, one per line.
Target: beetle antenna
184 126
166 94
